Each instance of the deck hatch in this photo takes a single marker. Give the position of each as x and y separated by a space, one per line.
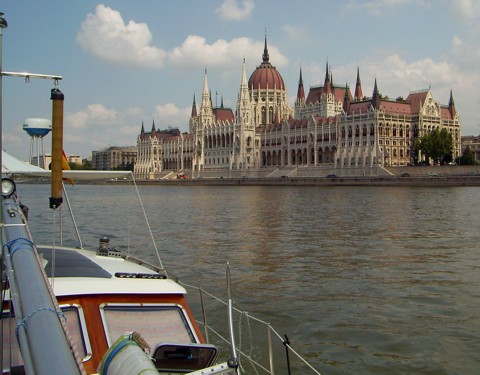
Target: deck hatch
71 264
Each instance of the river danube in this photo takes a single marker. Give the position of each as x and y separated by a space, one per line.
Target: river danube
364 280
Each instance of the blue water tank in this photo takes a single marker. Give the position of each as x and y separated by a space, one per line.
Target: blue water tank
38 127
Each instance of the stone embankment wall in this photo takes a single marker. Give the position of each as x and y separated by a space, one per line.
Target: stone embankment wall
441 170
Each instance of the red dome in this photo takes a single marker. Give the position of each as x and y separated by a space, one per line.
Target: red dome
266 75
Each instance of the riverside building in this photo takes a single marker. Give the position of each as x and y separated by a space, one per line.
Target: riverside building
329 130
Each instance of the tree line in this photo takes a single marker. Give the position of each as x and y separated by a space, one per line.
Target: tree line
437 146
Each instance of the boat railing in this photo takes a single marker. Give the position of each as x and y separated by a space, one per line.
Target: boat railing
260 348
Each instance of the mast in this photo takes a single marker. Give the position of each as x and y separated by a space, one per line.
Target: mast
44 346
57 147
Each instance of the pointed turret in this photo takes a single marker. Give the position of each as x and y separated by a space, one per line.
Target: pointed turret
376 96
244 106
300 91
206 108
265 56
346 99
243 95
194 107
358 87
451 105
327 87
206 91
153 126
142 131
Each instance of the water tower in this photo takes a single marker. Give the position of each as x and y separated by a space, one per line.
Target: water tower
37 129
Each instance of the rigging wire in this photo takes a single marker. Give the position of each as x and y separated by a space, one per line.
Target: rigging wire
148 225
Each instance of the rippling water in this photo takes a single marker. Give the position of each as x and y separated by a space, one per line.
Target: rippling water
368 280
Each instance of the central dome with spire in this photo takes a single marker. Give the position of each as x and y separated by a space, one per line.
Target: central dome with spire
266 76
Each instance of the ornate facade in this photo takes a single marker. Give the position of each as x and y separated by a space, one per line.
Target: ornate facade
329 127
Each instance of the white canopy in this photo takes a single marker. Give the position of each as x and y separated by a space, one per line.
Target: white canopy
11 165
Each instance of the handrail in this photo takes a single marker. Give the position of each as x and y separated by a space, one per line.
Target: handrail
244 315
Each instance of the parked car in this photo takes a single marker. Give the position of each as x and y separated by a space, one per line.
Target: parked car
332 176
405 175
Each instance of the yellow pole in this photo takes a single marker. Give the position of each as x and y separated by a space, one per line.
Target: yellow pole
57 147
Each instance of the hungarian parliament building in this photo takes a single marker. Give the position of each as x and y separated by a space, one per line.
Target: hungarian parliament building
327 130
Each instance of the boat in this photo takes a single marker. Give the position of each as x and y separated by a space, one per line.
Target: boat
72 310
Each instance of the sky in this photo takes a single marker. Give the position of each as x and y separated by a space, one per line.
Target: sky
125 63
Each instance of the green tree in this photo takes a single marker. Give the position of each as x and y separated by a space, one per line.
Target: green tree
467 158
436 145
86 164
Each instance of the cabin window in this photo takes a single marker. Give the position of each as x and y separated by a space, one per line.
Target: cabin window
78 330
76 326
156 323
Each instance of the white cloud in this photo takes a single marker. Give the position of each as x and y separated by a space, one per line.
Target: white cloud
96 127
93 115
170 115
466 55
222 54
395 75
105 35
466 9
230 10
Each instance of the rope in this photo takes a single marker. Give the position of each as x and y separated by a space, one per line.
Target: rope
57 309
24 320
11 242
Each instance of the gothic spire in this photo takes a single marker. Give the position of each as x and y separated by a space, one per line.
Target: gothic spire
346 99
451 105
142 131
358 87
194 107
153 126
265 55
205 84
244 76
327 87
300 91
376 96
206 107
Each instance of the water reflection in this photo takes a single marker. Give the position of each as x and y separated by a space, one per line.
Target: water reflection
367 280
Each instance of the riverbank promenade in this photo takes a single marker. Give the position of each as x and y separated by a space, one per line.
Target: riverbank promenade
377 176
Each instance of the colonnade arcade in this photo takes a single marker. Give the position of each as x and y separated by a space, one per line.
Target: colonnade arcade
299 156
